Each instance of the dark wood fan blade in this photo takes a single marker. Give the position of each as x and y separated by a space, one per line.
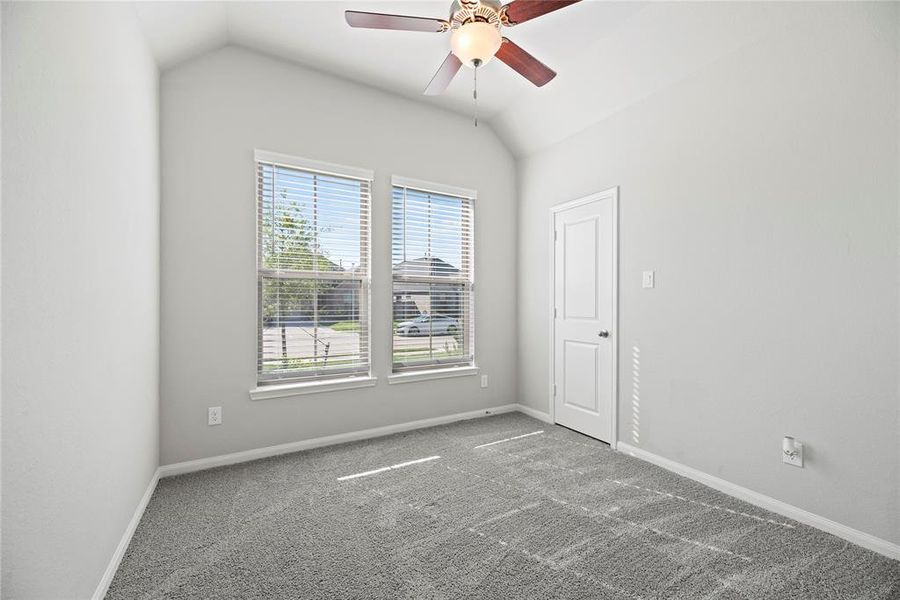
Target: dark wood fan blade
398 22
525 64
444 76
519 11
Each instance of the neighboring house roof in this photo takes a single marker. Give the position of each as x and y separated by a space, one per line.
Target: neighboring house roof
427 266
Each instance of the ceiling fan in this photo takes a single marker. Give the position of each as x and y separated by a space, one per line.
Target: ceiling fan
475 38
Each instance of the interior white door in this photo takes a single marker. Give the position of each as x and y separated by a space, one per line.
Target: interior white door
584 335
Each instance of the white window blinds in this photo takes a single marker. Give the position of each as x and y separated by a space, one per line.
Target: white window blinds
433 275
313 269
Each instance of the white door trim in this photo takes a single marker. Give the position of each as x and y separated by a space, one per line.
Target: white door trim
610 194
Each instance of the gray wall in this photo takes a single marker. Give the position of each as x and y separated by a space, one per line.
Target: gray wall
214 111
80 243
764 192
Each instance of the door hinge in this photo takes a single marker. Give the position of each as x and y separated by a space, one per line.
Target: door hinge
555 235
554 312
554 390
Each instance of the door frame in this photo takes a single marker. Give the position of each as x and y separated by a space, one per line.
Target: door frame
613 195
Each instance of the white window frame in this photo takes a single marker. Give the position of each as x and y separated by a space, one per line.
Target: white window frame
333 380
441 370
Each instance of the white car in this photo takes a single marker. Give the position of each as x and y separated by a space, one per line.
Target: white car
429 324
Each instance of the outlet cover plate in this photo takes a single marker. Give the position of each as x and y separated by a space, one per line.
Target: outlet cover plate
797 459
214 416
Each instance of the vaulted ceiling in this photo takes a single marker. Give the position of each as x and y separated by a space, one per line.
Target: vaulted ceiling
609 55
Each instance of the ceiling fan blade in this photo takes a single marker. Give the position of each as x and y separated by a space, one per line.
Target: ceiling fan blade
519 11
398 22
444 76
525 64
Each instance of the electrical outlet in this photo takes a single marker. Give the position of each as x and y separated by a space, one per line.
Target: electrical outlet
795 460
648 279
215 415
484 381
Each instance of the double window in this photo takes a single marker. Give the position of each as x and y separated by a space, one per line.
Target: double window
313 273
312 269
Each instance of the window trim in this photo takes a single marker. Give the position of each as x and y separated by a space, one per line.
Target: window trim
441 368
435 188
411 376
307 164
315 386
336 379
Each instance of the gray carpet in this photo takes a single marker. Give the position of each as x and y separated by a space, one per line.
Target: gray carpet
551 515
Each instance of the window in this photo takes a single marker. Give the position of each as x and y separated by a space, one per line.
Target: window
433 274
313 269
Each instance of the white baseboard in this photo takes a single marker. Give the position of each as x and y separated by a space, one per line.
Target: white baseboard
113 565
860 538
238 457
534 413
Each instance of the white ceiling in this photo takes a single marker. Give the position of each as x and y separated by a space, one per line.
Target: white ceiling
608 54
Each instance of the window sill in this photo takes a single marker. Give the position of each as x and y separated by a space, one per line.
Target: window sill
432 374
269 392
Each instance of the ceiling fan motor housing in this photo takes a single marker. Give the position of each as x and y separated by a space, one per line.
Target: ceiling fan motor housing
471 11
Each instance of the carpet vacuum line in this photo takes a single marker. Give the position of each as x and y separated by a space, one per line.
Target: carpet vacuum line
652 491
540 559
390 468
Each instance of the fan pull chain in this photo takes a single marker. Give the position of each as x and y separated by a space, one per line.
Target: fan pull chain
477 63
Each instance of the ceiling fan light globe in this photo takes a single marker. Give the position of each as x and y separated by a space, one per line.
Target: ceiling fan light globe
475 41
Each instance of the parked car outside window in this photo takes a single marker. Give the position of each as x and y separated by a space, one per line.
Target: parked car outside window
428 325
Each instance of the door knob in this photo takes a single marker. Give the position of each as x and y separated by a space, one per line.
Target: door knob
603 333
